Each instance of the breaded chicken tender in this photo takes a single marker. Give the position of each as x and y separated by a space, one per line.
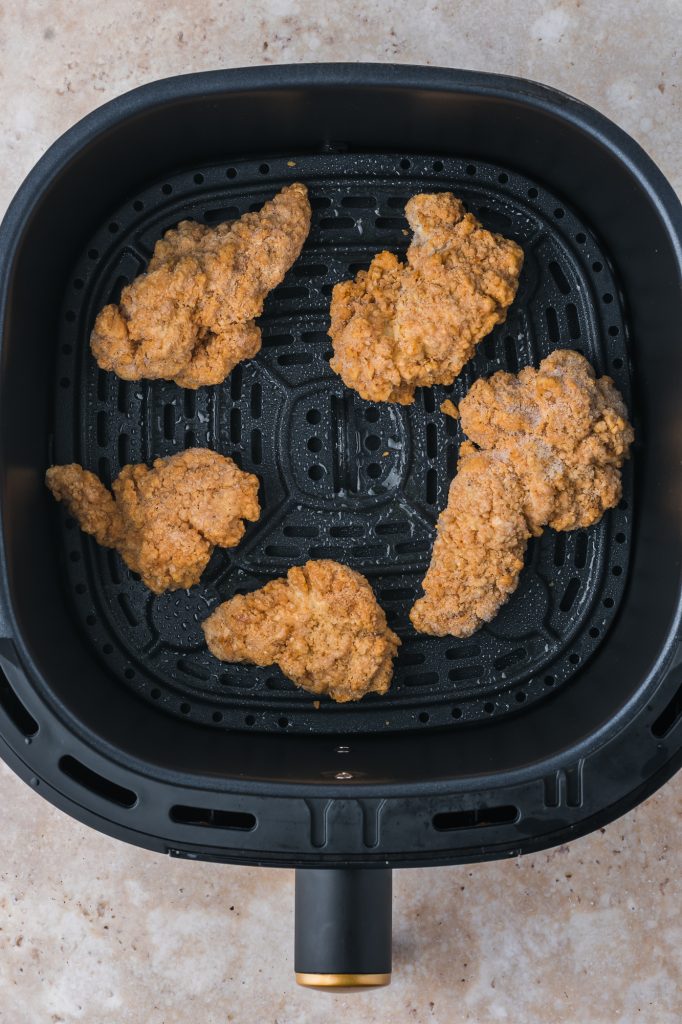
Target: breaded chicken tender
321 624
190 317
479 550
400 326
165 521
546 449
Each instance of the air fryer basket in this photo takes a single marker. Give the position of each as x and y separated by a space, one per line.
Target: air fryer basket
340 477
556 717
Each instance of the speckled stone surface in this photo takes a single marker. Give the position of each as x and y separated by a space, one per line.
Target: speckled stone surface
98 932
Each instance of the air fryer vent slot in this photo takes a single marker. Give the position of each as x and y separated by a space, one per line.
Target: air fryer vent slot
669 717
96 783
341 477
479 817
209 817
15 710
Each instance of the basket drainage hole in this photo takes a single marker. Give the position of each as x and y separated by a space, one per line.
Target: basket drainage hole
489 708
617 570
456 712
314 444
155 693
620 538
549 680
316 472
503 178
423 716
594 632
249 720
166 189
80 588
199 180
372 442
608 602
607 297
558 213
574 659
217 715
264 169
138 205
374 470
581 238
185 708
129 673
617 364
313 415
471 169
614 331
405 164
532 193
597 266
372 415
520 697
282 722
438 166
113 228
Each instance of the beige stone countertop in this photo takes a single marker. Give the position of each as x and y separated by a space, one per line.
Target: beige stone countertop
95 931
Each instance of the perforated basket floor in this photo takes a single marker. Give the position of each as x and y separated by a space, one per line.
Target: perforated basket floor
340 477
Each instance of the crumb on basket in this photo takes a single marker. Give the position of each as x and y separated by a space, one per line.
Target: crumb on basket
448 408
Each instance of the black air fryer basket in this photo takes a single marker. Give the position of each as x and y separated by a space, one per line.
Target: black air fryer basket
555 718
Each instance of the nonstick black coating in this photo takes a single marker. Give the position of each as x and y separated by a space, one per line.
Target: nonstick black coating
340 477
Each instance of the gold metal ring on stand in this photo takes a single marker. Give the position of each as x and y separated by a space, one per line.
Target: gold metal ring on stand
342 982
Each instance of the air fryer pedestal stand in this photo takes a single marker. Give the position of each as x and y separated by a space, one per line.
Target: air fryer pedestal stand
343 928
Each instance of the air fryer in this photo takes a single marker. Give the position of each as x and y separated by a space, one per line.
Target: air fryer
556 717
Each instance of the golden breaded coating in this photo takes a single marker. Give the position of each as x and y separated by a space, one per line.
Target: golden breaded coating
551 444
565 433
478 552
88 501
400 326
322 626
189 318
165 521
448 408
